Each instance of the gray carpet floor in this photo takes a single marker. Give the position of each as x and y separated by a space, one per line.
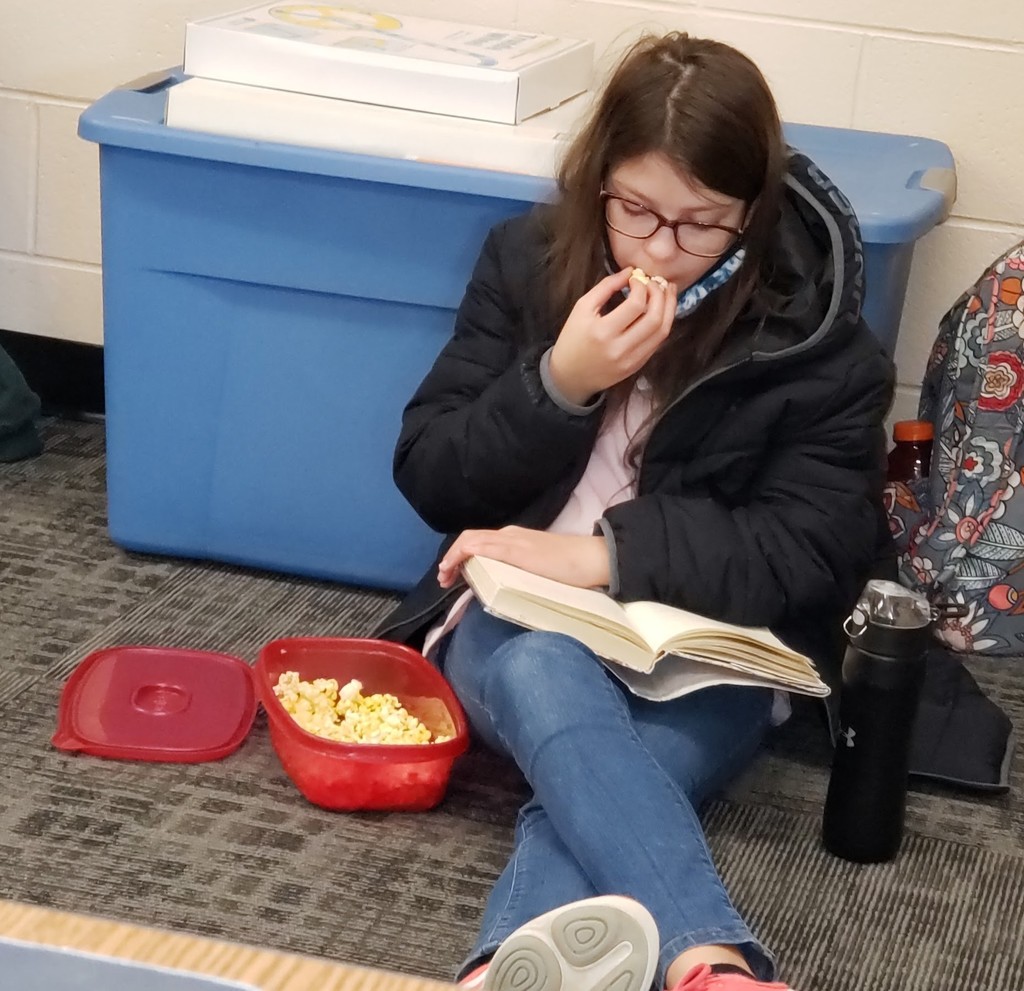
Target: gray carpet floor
230 848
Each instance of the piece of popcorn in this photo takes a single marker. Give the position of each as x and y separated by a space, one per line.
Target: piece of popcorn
350 691
642 277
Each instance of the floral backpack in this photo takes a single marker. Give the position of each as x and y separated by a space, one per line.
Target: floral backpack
965 522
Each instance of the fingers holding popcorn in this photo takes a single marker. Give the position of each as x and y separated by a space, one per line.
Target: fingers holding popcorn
596 349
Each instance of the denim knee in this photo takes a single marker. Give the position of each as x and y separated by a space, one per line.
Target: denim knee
539 683
539 664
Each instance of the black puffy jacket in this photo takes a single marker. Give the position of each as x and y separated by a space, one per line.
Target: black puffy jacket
759 491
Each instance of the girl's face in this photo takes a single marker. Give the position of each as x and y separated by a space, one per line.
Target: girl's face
654 182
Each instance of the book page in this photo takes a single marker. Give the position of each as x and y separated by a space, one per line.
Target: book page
543 616
592 617
582 601
802 677
746 650
675 676
661 624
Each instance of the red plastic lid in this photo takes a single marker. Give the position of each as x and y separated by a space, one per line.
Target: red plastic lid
157 704
912 430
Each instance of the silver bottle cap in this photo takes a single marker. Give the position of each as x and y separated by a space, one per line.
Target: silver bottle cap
884 603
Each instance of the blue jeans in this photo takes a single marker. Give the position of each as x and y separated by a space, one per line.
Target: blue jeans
616 782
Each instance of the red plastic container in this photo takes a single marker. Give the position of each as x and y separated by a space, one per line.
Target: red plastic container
363 776
173 704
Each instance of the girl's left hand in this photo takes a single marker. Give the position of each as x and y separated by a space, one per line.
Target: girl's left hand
575 560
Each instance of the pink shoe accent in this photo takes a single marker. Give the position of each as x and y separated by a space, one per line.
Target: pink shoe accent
703 978
475 978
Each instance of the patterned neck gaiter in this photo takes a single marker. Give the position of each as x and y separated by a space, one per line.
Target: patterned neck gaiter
689 299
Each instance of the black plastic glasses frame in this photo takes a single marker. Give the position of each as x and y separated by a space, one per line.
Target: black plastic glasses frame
672 225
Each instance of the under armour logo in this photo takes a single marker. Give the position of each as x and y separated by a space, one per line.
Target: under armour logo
848 735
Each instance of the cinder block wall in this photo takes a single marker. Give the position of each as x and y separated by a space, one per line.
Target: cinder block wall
938 68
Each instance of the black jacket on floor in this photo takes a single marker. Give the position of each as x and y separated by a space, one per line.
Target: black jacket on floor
19 410
759 490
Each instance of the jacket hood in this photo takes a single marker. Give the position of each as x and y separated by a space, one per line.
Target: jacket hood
817 268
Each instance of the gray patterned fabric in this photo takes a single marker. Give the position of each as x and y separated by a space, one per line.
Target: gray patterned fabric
230 848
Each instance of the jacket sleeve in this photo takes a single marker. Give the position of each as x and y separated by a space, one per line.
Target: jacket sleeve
482 438
803 539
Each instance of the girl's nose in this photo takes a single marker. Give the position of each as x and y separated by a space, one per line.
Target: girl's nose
661 245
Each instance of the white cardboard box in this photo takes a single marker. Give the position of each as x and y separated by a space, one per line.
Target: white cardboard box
259 114
412 63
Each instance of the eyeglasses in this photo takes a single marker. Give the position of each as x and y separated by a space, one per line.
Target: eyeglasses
636 220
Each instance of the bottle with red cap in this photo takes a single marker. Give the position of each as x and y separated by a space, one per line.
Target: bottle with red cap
911 456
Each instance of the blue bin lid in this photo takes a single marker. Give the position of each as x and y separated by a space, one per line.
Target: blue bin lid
900 186
133 117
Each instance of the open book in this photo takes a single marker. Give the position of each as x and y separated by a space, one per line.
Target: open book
658 651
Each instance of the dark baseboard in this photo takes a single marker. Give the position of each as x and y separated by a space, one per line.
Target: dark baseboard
67 376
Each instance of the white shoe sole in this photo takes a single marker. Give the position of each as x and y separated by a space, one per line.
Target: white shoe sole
608 943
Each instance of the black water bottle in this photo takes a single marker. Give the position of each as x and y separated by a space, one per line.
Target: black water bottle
883 671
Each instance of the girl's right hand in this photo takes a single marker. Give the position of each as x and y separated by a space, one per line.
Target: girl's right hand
594 351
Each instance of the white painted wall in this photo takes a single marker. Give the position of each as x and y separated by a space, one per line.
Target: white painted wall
937 68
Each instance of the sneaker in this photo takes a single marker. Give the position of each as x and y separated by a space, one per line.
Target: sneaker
703 978
474 979
608 943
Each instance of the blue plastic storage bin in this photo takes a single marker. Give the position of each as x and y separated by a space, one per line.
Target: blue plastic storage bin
269 309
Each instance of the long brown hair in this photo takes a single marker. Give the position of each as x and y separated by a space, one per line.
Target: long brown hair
707 109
